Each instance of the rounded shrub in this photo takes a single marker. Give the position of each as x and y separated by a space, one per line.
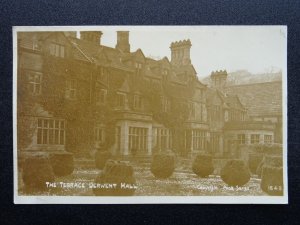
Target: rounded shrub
62 163
37 171
269 160
272 180
163 164
116 179
202 165
254 161
235 173
101 158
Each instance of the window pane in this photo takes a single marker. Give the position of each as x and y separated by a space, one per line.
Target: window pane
39 136
62 137
51 123
72 84
51 137
39 78
96 134
52 49
37 88
56 137
101 135
30 77
31 87
56 50
40 122
45 136
72 94
122 100
45 123
62 51
36 77
50 131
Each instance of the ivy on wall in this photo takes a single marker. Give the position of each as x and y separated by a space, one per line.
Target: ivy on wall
82 112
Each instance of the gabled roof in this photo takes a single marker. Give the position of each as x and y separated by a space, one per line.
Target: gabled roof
175 79
138 54
228 101
152 62
79 53
233 101
211 93
27 38
102 57
165 62
33 35
259 98
96 53
45 35
124 87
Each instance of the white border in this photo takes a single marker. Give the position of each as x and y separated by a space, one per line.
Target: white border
141 199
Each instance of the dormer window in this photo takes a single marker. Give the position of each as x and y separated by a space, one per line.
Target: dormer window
30 44
137 102
121 98
35 82
254 138
200 93
268 139
71 89
165 104
165 72
226 116
192 110
102 76
57 50
36 46
241 139
138 65
101 96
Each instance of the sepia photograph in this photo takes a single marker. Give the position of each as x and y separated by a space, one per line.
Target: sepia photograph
150 114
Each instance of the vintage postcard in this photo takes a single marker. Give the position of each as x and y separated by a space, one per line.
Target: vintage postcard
150 114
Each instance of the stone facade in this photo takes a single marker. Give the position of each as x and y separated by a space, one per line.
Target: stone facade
91 96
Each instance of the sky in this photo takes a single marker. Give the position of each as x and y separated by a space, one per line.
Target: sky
257 49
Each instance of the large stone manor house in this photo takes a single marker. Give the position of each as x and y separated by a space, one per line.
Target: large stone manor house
78 95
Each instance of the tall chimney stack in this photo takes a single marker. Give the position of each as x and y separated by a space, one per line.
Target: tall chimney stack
218 79
70 34
180 52
91 36
123 41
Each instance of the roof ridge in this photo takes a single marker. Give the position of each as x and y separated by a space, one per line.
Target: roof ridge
81 51
236 85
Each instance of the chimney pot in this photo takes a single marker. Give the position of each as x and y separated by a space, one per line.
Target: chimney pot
123 41
180 52
91 36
